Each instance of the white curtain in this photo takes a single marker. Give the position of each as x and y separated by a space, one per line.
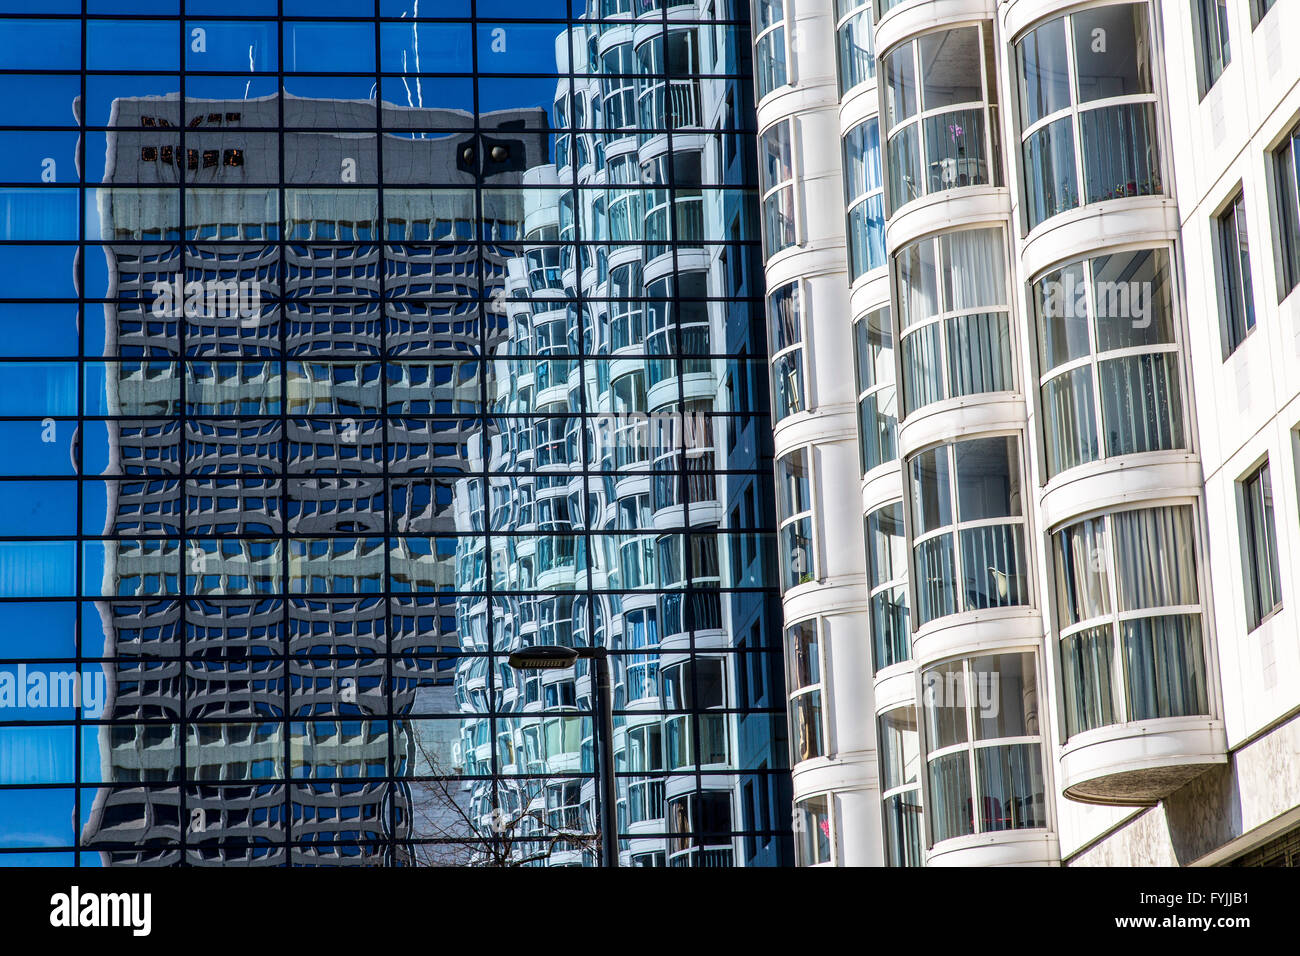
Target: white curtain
974 265
1155 558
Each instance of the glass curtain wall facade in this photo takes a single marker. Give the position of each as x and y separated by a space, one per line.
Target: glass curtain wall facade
352 346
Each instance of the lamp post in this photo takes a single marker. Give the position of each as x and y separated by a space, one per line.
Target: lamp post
544 657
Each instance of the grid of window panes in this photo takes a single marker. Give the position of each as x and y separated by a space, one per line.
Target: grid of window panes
350 346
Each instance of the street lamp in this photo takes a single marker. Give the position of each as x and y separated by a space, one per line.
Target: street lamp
548 657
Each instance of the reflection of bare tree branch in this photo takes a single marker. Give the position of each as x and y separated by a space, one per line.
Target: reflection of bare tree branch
461 837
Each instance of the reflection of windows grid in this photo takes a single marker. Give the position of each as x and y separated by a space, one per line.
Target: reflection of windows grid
310 534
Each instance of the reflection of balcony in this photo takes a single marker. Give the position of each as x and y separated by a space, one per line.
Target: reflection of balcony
680 741
674 105
562 738
645 801
706 856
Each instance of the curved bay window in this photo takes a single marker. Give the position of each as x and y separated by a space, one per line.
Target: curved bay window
769 45
887 584
803 652
677 322
641 663
785 333
984 761
626 310
634 564
701 610
628 404
1129 618
940 133
1087 110
618 89
683 468
1108 351
812 830
954 317
644 756
900 785
776 184
693 689
855 43
968 527
667 97
625 210
873 356
865 198
699 829
795 514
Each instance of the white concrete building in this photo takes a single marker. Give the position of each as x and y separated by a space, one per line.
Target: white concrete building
1075 641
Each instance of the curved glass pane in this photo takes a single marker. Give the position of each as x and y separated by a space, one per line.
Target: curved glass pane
931 491
877 418
787 384
1111 51
806 726
862 173
1042 65
890 634
950 68
955 151
1164 667
903 155
993 563
979 354
857 58
1087 669
1051 182
1141 404
1119 152
1012 791
936 585
1069 421
1082 572
873 350
922 368
866 228
902 813
769 54
1144 583
949 812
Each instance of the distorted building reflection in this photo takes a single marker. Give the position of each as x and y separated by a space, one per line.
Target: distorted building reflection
635 474
278 417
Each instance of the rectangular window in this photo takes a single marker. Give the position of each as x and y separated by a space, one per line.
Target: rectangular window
1286 177
1259 541
1259 9
1237 299
1212 27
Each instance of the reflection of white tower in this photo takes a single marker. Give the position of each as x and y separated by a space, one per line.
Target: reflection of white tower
652 460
